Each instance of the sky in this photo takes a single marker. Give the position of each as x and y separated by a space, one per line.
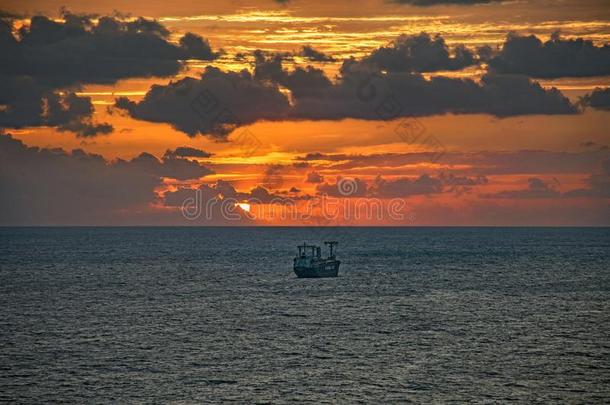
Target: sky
305 113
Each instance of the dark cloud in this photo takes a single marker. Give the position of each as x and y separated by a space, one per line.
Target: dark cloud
424 184
187 151
344 188
314 55
86 128
215 104
49 56
300 165
26 103
597 186
224 190
9 15
486 53
196 47
405 187
427 3
47 186
302 82
557 57
419 53
363 95
208 204
78 50
260 194
475 163
323 156
598 98
536 188
169 166
455 180
273 177
268 67
598 183
314 177
220 101
8 43
308 82
368 94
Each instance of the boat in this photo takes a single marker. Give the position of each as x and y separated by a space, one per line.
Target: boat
309 262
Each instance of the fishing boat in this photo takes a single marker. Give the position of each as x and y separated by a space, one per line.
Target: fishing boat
309 262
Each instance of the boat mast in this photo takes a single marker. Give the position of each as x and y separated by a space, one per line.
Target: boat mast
331 244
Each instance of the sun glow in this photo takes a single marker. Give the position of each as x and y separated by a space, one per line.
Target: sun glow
244 206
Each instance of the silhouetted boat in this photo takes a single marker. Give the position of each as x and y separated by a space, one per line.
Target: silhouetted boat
310 264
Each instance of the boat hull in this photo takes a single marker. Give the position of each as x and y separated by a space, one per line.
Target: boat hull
321 270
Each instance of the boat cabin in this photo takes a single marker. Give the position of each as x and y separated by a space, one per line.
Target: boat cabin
306 250
312 251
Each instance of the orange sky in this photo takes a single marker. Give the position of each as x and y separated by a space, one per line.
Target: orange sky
342 30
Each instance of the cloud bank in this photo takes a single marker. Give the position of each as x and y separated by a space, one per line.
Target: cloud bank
52 186
361 91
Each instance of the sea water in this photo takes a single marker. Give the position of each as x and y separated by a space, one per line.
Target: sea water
195 315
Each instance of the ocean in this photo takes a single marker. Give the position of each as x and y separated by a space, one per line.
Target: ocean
206 315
